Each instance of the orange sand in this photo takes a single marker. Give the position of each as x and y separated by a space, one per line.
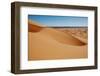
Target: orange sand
50 43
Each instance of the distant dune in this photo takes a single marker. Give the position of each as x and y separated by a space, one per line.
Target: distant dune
50 43
34 27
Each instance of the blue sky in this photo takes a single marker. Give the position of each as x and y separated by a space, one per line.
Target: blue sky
60 21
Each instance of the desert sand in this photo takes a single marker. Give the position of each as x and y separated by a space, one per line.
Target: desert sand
50 43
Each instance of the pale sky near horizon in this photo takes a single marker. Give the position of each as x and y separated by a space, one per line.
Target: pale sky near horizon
60 21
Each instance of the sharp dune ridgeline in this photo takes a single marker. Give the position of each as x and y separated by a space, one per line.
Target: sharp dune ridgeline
49 43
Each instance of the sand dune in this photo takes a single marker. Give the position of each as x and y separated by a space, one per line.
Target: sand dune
33 27
49 43
62 37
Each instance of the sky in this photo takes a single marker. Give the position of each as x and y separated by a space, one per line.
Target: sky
60 21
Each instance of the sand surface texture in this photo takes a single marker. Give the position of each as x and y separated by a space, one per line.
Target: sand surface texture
50 43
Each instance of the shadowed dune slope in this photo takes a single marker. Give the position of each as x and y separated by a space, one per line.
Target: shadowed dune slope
33 27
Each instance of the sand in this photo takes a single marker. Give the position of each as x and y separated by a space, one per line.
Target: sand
79 33
50 43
